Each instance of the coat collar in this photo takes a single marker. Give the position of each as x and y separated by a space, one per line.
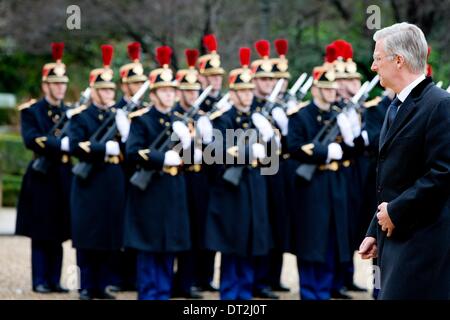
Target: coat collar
404 112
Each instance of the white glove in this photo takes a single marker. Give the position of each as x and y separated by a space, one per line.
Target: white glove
263 125
355 122
69 113
123 125
334 152
172 158
65 145
182 131
198 155
291 105
281 119
346 129
365 136
205 129
258 151
112 148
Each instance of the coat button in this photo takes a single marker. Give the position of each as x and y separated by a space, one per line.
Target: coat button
379 189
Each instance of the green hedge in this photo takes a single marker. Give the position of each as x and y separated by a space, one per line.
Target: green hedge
14 157
11 189
9 116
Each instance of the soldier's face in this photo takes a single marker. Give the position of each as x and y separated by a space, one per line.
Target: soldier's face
215 82
324 95
242 98
188 97
103 97
347 88
134 87
55 91
124 88
264 86
164 97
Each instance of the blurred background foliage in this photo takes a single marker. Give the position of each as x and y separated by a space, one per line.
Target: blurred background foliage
27 27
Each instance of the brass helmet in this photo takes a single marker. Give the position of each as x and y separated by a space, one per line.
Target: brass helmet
241 78
133 72
102 78
262 68
55 71
324 77
163 76
344 65
188 78
280 64
209 64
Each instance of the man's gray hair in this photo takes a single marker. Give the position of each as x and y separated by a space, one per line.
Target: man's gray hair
407 40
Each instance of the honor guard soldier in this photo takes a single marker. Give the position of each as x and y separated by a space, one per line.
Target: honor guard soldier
278 189
210 73
196 180
340 54
43 206
263 77
98 199
132 75
319 222
157 218
264 80
238 221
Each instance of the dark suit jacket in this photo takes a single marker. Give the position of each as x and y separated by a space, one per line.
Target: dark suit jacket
413 177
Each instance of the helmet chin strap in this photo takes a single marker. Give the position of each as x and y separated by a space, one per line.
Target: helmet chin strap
102 101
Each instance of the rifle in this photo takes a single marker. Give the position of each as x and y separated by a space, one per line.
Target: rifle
294 94
109 130
59 129
329 132
142 177
233 174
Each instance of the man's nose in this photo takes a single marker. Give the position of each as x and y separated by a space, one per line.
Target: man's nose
373 67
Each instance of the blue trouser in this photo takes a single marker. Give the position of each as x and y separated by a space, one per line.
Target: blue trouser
316 280
46 262
95 269
154 275
184 278
236 277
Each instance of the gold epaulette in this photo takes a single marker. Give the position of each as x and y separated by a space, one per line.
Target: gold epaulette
372 103
138 113
26 105
78 110
297 108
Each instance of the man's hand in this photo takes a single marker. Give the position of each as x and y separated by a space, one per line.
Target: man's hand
384 220
368 248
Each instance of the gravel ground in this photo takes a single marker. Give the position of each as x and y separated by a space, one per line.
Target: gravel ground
15 273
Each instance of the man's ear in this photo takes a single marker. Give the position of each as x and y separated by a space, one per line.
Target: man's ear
400 61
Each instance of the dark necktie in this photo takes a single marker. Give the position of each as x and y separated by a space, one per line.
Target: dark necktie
392 111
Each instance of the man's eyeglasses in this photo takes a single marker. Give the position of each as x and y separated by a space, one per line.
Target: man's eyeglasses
378 59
